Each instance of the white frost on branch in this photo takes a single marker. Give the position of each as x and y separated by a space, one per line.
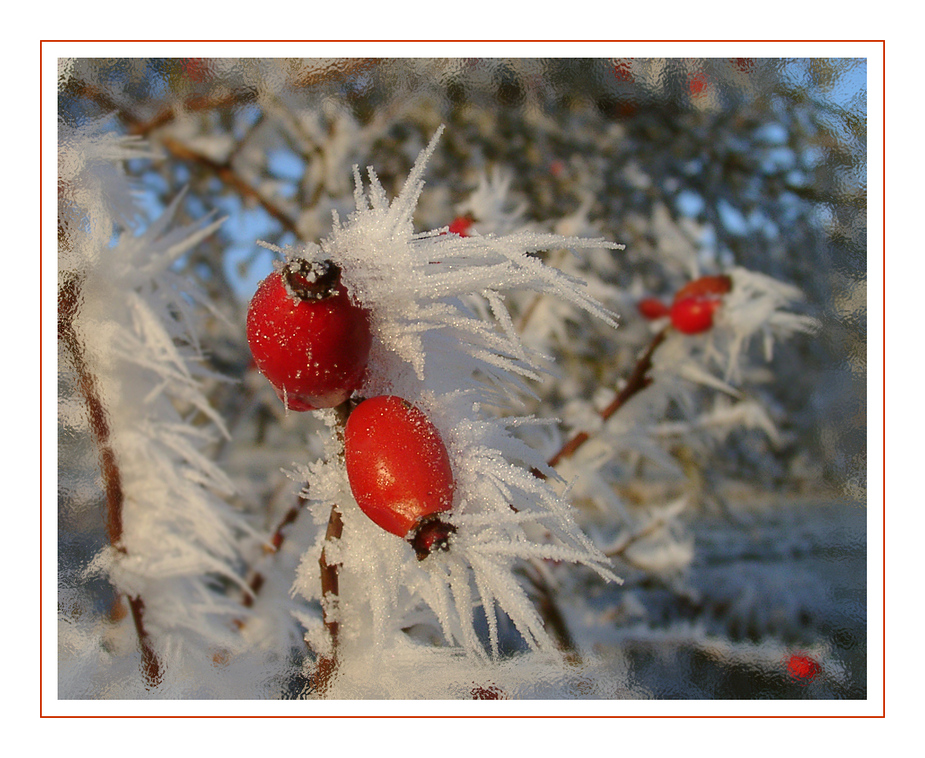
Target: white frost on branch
136 324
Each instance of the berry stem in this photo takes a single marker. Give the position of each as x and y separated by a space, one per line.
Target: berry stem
69 297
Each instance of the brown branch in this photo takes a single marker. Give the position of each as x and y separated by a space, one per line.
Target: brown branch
327 664
637 381
223 170
552 616
227 175
192 103
257 579
330 589
69 298
546 603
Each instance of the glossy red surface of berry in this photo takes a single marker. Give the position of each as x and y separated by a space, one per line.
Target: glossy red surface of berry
652 308
693 315
399 471
307 337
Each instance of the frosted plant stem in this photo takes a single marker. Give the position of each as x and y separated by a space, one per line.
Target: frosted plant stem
636 382
546 601
68 303
327 663
552 616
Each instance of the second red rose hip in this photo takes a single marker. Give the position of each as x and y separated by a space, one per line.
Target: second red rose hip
399 471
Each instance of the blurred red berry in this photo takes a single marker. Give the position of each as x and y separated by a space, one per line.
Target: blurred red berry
622 71
802 668
196 69
705 286
744 64
693 315
698 84
487 693
652 308
461 225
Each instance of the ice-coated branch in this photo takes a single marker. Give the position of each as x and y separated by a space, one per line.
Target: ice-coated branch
69 297
327 662
637 381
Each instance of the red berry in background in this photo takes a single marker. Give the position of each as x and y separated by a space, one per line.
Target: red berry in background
802 668
705 286
196 69
696 302
487 693
461 225
698 84
652 308
693 315
744 64
307 337
399 471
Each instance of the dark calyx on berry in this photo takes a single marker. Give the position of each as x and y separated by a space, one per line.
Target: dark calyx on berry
311 280
432 533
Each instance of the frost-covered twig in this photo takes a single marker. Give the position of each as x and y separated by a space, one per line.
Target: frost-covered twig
226 173
637 381
69 297
330 585
327 662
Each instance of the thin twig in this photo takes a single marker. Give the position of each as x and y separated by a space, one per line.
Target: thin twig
327 664
330 590
69 297
637 381
276 542
552 615
226 173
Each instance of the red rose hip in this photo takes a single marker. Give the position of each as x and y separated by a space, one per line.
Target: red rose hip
399 471
693 315
696 302
307 337
461 225
705 286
